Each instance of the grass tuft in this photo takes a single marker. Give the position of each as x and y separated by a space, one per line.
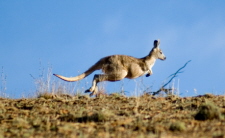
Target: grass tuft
177 126
208 111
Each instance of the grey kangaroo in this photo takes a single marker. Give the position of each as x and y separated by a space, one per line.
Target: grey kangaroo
118 67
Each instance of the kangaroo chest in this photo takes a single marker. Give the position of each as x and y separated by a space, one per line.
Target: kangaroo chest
150 64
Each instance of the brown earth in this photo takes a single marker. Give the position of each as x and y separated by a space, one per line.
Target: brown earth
113 116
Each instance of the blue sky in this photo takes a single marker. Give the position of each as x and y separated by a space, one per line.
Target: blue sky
70 36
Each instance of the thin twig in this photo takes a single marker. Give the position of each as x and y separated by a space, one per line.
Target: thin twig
172 77
175 74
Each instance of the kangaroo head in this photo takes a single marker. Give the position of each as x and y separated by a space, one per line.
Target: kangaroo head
157 52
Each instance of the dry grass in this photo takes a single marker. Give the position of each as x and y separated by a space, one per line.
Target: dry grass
111 116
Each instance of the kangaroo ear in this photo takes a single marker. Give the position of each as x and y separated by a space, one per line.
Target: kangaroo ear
156 43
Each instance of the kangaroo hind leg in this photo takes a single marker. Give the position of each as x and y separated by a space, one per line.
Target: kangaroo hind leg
119 75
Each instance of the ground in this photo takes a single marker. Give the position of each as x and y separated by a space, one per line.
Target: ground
110 116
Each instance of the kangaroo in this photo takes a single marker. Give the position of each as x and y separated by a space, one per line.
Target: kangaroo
118 67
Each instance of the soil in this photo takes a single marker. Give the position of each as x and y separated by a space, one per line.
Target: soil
110 116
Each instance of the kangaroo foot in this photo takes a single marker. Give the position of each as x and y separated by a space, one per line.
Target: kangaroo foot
92 89
94 92
88 90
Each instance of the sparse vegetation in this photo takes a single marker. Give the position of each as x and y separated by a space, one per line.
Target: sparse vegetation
112 116
54 112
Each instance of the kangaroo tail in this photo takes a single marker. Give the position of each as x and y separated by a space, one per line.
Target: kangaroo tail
81 76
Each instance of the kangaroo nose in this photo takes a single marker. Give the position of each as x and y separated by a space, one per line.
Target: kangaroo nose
165 58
